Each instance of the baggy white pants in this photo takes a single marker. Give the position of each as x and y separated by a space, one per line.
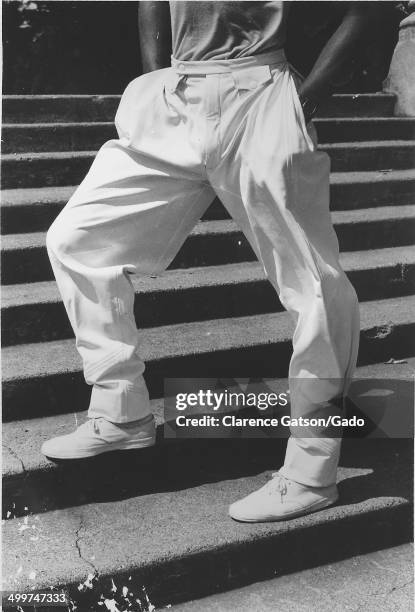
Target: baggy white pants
235 129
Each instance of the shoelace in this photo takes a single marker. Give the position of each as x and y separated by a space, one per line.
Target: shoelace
279 484
91 423
96 426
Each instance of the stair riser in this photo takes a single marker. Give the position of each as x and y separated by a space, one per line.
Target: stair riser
32 265
103 108
358 106
61 138
54 171
22 139
37 217
62 109
353 131
361 195
66 392
48 321
349 159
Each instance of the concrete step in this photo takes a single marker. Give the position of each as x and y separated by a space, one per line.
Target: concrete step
50 374
33 210
315 589
33 312
65 108
45 169
377 155
178 541
30 480
24 258
30 137
69 167
355 129
60 108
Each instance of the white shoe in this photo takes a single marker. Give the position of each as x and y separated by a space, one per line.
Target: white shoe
97 436
282 499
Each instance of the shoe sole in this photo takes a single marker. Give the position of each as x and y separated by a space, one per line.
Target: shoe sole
130 445
320 505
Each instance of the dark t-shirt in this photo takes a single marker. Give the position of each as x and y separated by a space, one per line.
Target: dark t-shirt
226 30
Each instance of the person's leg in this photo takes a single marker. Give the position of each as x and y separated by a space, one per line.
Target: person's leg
277 188
130 215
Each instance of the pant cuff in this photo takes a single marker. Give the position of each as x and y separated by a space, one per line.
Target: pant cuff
119 406
310 463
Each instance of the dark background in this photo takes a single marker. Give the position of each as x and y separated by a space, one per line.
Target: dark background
87 47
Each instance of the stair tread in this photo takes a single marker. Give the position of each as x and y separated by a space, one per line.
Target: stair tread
370 176
377 94
42 155
207 276
368 144
85 124
195 338
65 124
43 195
183 527
76 96
37 239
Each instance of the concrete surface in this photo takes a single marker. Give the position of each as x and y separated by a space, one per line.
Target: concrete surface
364 128
31 480
373 155
200 337
260 345
179 541
24 257
381 580
18 109
33 312
89 136
21 199
37 137
69 167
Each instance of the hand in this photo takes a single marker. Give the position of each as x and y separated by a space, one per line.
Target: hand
309 106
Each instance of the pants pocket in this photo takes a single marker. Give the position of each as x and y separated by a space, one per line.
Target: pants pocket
251 79
138 103
308 130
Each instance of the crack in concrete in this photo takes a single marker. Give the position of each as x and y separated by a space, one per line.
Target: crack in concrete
78 539
399 587
16 456
376 595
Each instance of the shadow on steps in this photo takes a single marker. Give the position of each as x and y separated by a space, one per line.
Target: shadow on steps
369 469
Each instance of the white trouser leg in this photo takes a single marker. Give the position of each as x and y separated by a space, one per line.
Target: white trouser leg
130 215
272 168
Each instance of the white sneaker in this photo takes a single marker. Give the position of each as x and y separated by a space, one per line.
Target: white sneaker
97 436
282 499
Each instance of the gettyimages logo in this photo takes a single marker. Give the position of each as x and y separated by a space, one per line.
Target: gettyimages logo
230 399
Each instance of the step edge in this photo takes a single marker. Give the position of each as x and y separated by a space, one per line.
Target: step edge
281 323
